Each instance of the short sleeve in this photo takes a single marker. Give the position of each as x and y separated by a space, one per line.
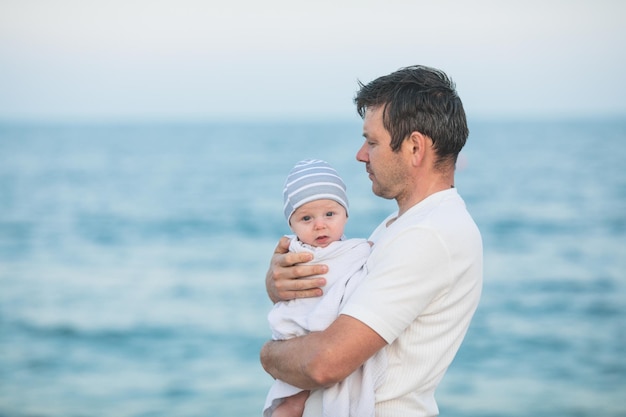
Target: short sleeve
404 276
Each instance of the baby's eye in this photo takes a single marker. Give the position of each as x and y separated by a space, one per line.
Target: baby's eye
330 214
306 218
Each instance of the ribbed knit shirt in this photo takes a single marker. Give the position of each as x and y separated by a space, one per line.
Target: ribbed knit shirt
423 284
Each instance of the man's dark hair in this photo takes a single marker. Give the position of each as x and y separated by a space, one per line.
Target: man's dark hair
422 99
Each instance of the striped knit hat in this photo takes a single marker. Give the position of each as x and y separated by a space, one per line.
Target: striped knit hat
310 180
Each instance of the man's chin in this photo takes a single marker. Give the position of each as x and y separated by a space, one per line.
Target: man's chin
381 193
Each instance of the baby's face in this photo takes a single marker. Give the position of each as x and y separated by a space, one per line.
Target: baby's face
319 223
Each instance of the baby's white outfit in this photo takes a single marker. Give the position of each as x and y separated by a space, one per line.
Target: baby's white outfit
354 396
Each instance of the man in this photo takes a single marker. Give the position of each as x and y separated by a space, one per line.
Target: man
424 274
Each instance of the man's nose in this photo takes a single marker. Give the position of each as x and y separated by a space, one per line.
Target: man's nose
361 154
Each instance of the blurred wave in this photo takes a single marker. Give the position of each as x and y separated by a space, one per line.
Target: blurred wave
132 262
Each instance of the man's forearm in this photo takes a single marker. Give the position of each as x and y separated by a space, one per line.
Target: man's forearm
289 361
321 359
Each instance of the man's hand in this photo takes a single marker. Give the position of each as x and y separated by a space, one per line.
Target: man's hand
287 279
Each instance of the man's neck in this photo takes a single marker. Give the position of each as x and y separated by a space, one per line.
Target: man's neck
441 183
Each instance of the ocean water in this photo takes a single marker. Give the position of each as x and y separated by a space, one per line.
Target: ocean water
132 260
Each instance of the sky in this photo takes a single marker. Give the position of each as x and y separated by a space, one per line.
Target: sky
199 60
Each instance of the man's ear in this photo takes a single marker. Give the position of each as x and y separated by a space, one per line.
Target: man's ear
418 144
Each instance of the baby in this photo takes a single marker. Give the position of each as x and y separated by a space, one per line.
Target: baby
316 209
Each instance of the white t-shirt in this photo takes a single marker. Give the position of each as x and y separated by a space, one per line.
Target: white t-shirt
423 284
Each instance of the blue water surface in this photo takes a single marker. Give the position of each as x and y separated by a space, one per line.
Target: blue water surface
132 260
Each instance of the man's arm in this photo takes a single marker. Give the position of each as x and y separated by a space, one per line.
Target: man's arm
321 359
286 279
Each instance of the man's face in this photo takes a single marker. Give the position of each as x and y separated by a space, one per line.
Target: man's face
388 170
